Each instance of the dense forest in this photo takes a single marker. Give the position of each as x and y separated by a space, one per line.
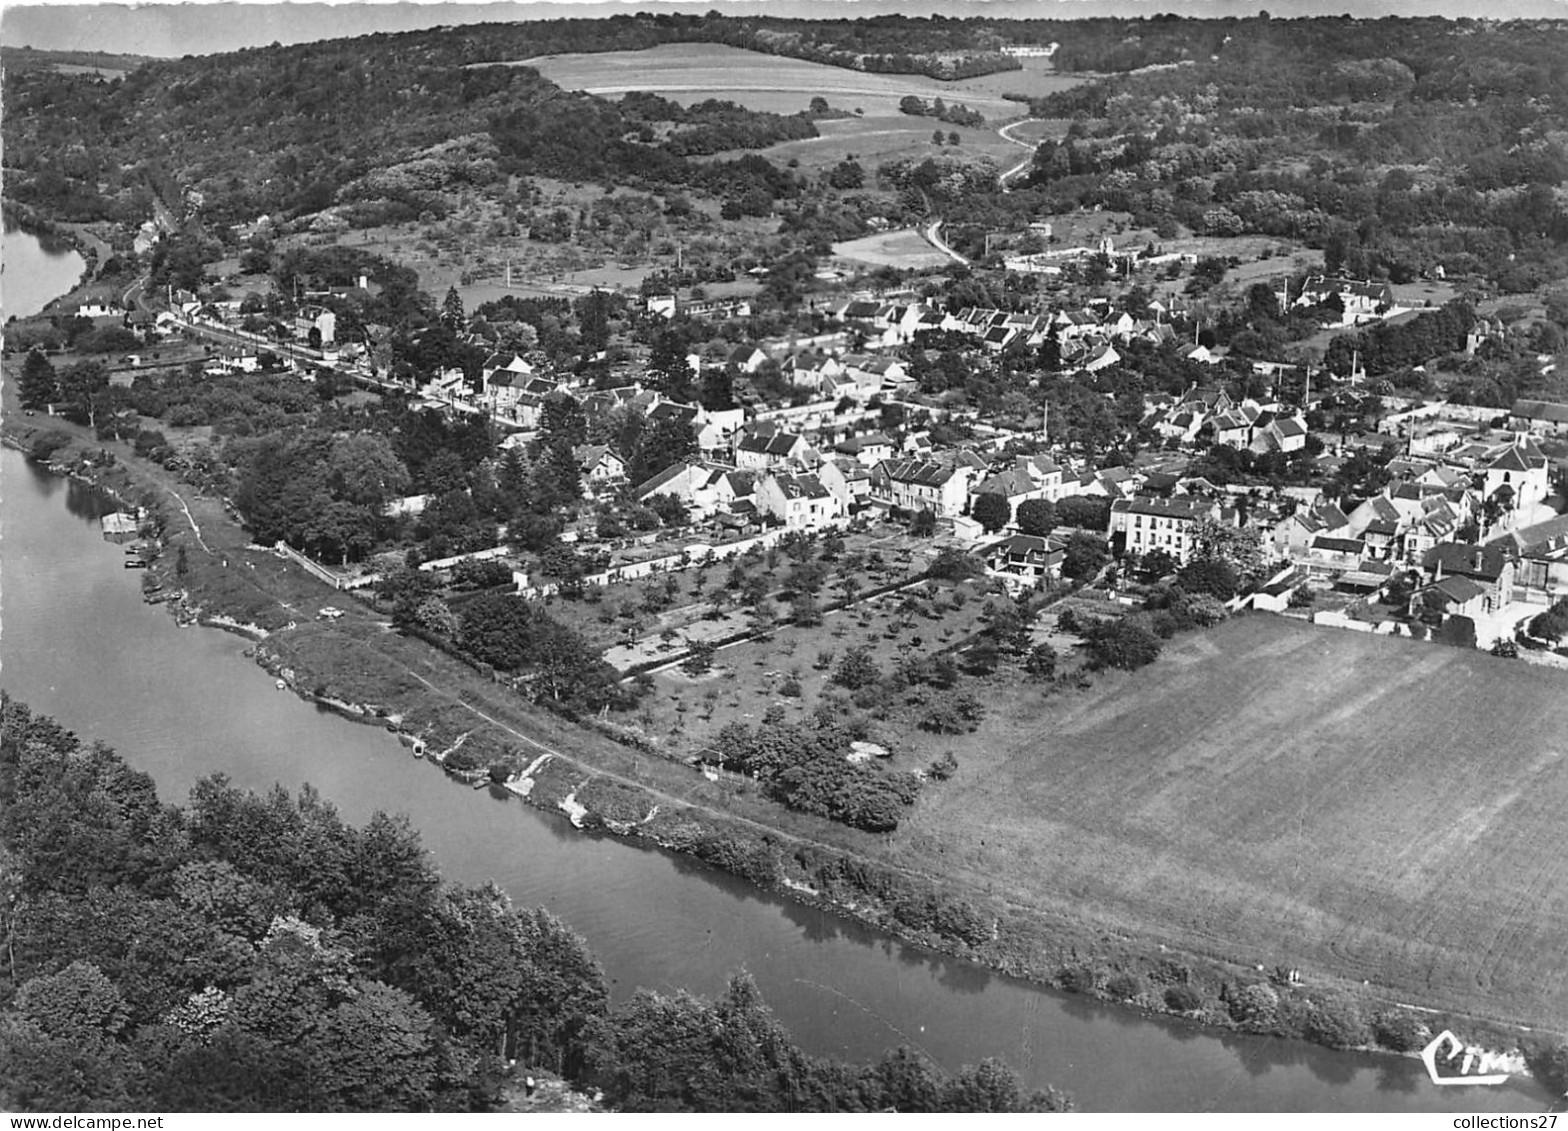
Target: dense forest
257 953
1395 146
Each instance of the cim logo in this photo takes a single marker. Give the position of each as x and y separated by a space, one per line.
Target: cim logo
1483 1061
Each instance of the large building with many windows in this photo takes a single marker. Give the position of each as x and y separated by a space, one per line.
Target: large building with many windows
1143 524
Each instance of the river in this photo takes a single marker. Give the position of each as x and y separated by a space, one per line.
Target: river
80 645
35 271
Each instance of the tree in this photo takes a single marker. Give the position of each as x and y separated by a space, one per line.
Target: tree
665 442
718 389
1084 556
83 387
1213 576
923 525
936 137
1084 512
1041 662
1240 547
700 659
37 385
1128 642
847 175
992 511
1036 517
953 138
452 314
856 669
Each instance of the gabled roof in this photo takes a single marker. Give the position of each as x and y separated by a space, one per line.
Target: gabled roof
923 472
773 444
1523 456
1484 562
1458 590
1339 545
1182 507
662 479
1025 545
801 487
668 410
1009 484
1550 411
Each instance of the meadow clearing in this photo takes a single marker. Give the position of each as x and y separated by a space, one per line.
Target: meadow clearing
904 249
1277 794
879 132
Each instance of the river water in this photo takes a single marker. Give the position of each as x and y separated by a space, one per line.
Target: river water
34 271
79 644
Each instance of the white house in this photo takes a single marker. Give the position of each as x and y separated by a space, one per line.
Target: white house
921 484
800 502
1148 524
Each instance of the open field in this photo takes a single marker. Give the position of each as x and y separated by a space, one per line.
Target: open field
1037 79
873 141
903 248
694 72
1273 793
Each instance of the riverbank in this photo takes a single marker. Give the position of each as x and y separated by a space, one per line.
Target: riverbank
93 250
400 681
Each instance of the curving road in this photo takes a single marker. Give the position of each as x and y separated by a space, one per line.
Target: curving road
1031 146
932 233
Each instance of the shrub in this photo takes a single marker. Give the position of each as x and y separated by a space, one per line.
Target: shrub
1337 1023
1395 1029
1124 986
1183 999
1079 979
1549 1063
856 669
1255 1006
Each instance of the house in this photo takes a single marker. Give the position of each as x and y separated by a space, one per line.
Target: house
800 502
1491 566
1293 536
1023 560
98 308
1047 475
515 366
599 463
1549 417
1143 524
1520 472
1438 522
1286 434
1335 553
716 428
1234 426
1101 358
848 481
758 451
1360 299
867 449
1014 484
922 484
746 359
807 370
1452 596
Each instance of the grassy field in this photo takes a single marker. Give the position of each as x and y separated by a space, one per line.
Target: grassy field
873 141
693 72
903 248
1271 793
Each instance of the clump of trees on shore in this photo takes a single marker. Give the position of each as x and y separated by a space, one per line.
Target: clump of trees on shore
257 953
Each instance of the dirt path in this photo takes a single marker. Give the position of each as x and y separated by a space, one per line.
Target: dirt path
190 518
1030 146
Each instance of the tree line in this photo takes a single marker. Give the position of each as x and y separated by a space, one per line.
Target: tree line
257 953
